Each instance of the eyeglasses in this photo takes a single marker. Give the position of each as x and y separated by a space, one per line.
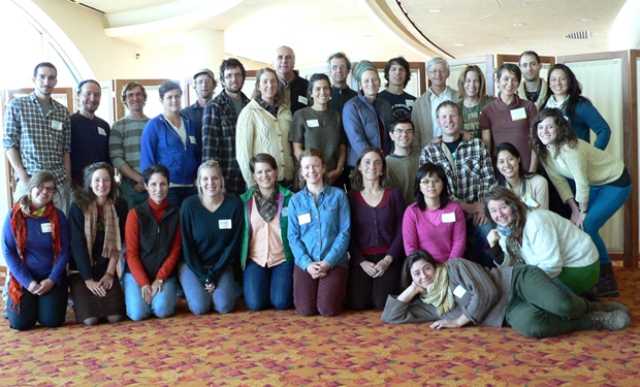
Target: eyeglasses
47 188
403 131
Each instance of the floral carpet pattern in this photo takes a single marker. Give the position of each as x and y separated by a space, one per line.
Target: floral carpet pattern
280 348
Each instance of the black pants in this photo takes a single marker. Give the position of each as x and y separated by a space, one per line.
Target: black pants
364 292
49 309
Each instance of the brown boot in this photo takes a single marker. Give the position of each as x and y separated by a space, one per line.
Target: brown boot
607 285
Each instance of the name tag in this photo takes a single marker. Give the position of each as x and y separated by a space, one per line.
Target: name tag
459 291
224 224
56 125
45 228
284 211
313 123
449 217
409 103
518 114
101 131
531 202
303 100
193 141
304 218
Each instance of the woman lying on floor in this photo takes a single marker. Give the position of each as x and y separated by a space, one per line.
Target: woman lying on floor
460 292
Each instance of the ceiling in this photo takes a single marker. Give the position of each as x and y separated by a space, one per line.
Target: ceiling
477 27
461 28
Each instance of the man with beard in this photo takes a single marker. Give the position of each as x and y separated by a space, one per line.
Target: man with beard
219 124
89 133
204 83
533 88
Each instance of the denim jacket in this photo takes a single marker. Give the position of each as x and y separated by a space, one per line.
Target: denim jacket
319 229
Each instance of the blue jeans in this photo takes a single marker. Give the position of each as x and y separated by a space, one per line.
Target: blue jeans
199 301
163 304
604 201
268 286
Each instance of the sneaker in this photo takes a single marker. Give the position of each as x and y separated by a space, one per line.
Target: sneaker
607 285
611 321
607 306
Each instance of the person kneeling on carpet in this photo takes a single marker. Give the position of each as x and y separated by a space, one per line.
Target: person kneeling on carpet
460 292
152 237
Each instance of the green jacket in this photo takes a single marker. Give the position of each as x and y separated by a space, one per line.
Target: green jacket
284 219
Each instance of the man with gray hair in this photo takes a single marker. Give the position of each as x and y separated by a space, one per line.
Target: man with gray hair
424 112
295 87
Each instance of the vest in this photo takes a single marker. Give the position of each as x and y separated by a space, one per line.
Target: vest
155 238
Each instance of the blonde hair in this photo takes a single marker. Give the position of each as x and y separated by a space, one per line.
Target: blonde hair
209 164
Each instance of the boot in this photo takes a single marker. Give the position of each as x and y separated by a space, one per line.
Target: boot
607 285
611 321
607 306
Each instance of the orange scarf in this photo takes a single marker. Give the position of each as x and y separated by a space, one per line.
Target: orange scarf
19 214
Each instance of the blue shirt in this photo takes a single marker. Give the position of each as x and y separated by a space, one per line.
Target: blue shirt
194 113
38 263
319 229
161 144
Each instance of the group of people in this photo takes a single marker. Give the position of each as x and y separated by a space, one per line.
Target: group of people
314 196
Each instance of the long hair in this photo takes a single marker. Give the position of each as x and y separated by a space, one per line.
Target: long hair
564 133
419 255
482 90
510 148
427 170
519 213
573 88
357 181
85 196
256 89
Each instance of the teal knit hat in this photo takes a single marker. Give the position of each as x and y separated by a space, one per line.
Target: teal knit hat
361 67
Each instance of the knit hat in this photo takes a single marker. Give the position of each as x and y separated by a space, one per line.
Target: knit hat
361 67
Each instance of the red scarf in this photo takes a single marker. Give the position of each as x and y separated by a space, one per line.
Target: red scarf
19 214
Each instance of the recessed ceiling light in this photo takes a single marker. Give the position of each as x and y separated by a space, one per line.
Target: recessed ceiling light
518 25
434 10
584 20
458 44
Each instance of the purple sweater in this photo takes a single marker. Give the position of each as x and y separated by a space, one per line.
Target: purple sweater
376 230
38 263
442 232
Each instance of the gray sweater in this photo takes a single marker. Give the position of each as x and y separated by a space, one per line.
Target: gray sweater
484 302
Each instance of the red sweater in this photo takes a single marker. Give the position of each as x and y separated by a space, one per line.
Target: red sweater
132 240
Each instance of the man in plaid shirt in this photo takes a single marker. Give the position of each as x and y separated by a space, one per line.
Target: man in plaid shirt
219 124
37 135
469 171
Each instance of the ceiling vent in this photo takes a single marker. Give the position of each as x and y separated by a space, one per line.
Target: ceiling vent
579 35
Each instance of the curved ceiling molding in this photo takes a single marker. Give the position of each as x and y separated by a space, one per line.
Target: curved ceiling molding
174 15
391 14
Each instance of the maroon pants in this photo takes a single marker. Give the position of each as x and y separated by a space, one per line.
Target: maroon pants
324 295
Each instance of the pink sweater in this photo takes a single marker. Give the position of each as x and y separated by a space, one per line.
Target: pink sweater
442 233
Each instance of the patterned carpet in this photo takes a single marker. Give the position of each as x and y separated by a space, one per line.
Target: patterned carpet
280 348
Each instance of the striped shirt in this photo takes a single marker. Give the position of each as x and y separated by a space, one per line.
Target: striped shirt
124 142
42 139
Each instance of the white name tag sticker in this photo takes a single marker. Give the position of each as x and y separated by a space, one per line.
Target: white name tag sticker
518 114
459 291
56 125
285 211
101 131
45 228
448 217
224 224
303 100
193 140
409 102
313 123
304 218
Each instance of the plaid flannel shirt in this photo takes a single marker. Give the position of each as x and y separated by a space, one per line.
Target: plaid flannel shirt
42 140
472 176
219 139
